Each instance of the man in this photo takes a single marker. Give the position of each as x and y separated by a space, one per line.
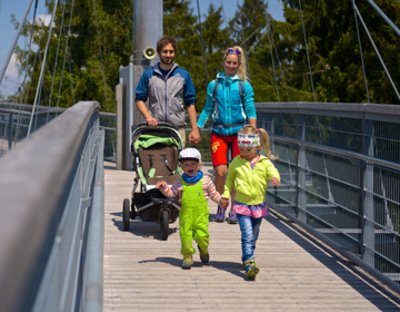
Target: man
169 90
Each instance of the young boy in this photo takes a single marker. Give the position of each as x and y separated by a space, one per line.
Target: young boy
193 189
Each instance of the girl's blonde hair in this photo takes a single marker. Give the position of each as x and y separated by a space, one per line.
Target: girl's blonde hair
242 70
265 142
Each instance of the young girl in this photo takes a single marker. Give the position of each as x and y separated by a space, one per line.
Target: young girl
230 103
248 178
193 190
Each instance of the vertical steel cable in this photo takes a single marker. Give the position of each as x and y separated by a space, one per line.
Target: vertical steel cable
269 30
21 26
308 55
100 49
40 81
65 53
56 57
361 54
21 95
202 46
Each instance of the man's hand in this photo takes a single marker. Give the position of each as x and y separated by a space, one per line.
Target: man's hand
194 136
151 121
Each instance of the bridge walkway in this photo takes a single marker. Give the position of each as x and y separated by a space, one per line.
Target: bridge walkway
298 272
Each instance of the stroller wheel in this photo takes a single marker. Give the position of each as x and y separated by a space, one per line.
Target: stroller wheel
126 214
164 224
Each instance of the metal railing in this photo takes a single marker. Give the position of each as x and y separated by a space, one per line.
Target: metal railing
340 170
15 119
51 230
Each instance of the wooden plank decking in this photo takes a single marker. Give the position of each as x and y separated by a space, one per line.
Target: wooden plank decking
142 272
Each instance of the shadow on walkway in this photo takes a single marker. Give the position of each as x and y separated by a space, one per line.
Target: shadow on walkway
348 271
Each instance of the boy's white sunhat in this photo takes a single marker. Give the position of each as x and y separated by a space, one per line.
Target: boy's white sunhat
190 153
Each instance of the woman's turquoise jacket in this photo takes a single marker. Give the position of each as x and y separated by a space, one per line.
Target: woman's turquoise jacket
230 102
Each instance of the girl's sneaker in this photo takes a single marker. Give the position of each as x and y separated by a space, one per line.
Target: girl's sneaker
251 269
187 262
232 218
220 216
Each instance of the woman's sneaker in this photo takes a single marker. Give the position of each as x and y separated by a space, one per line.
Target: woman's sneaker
251 270
232 218
187 262
220 216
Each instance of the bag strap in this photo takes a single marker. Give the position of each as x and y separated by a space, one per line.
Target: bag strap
216 84
240 91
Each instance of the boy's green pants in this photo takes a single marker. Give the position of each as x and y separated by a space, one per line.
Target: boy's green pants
193 218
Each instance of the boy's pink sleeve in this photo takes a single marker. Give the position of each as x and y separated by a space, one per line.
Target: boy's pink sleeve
172 191
211 190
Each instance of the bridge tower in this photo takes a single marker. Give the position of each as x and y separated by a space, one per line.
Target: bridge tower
147 29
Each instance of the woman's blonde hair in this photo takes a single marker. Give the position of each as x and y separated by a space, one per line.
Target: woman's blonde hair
265 142
242 70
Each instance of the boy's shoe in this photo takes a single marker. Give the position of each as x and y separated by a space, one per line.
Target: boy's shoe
220 216
232 218
204 256
251 269
187 262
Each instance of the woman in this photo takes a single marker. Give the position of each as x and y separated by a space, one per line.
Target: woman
230 101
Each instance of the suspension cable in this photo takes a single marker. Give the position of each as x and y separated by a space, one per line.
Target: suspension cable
269 30
30 43
100 49
21 95
40 81
377 51
56 57
361 54
387 19
202 45
20 27
308 55
65 53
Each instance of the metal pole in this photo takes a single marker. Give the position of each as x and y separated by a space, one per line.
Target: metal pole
148 20
147 29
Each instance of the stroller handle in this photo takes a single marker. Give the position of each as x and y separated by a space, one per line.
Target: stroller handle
160 124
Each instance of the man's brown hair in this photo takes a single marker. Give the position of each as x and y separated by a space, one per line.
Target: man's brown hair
164 41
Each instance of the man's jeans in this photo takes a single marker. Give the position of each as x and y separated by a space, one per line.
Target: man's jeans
250 228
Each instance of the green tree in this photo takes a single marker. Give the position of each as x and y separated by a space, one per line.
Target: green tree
334 62
99 41
313 55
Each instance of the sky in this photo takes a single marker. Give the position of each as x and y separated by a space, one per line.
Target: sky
8 32
230 6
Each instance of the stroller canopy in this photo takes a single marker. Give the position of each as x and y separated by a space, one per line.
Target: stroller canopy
148 140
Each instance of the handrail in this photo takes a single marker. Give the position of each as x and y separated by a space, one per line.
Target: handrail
42 179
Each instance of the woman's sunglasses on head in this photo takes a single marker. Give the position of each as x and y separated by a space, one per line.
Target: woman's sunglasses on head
232 51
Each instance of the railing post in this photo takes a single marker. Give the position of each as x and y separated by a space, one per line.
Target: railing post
301 176
367 230
125 116
9 131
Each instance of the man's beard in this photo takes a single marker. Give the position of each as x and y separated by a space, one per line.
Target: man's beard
166 61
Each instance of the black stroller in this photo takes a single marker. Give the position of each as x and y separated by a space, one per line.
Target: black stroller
155 157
